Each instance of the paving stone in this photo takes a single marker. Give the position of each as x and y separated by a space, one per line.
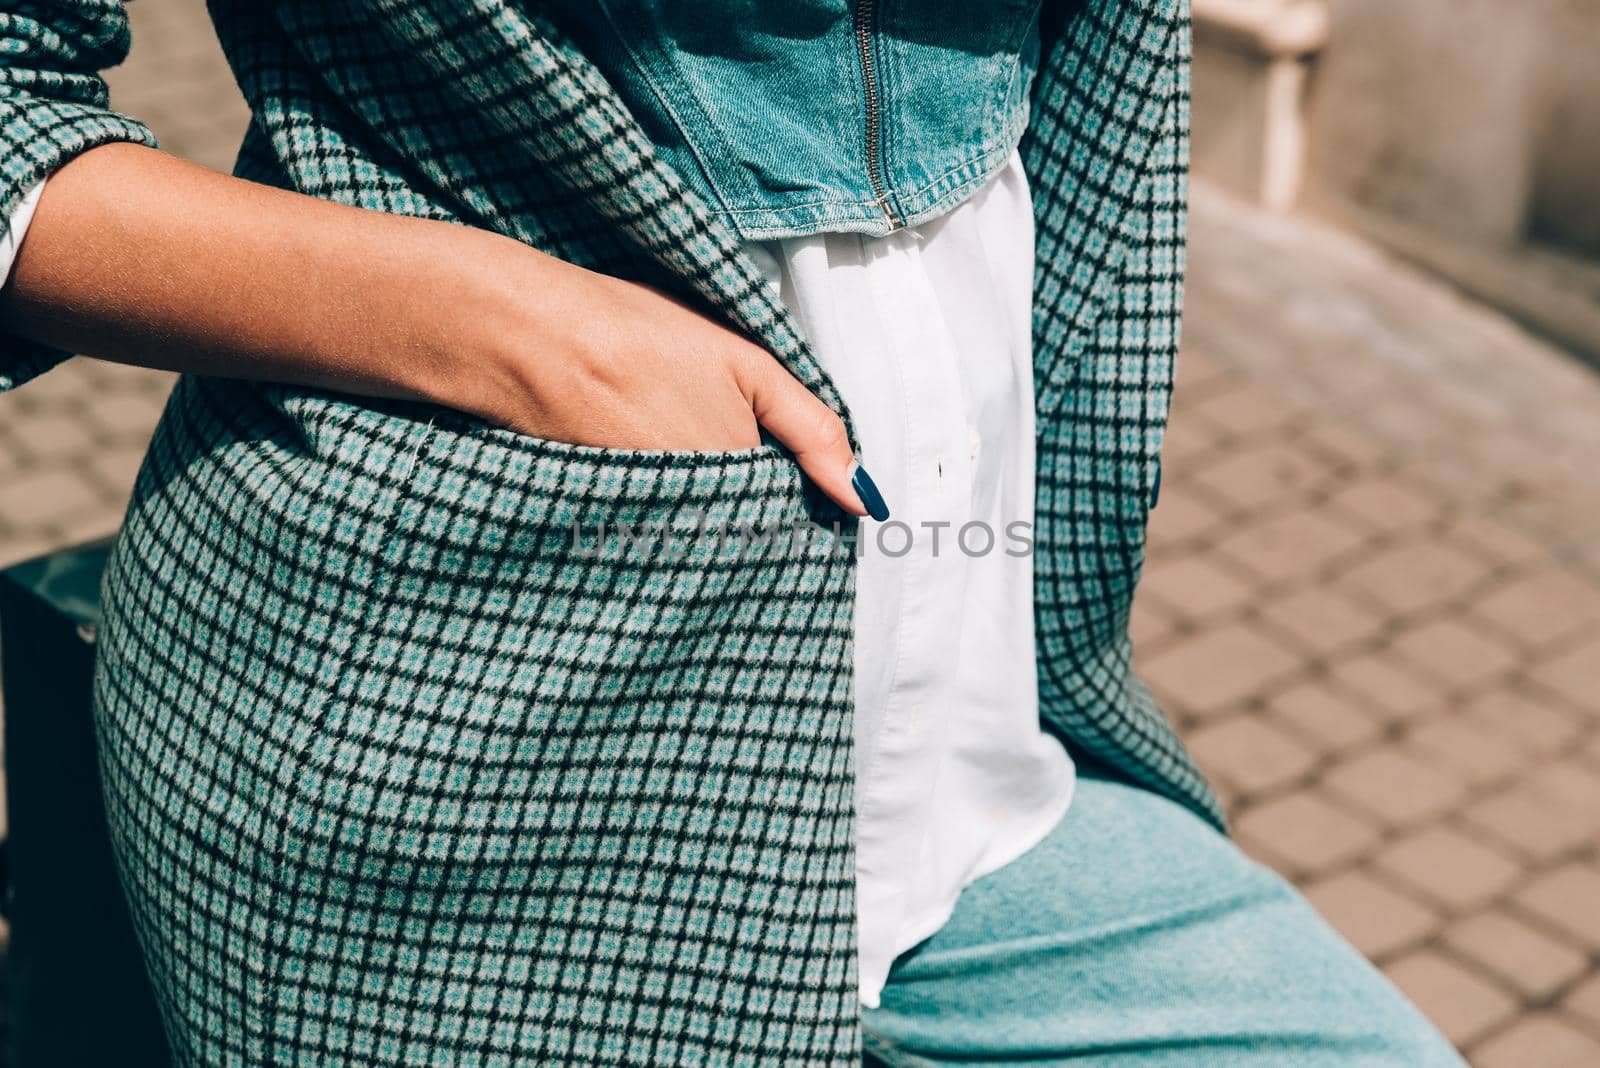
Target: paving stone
49 439
1569 898
1199 373
1461 1003
1267 474
1455 655
1449 867
44 497
1150 623
1321 619
1180 518
1404 419
1377 920
1574 780
1289 545
1306 832
1196 585
1329 721
1190 443
1247 408
1466 748
90 525
1460 478
1584 551
1530 960
142 85
60 391
1533 820
17 547
1551 514
1344 447
1250 753
1541 606
1523 721
1377 381
1386 504
124 419
1387 688
1220 668
1415 576
115 471
1495 541
1539 1040
1574 674
1583 1001
108 378
1394 787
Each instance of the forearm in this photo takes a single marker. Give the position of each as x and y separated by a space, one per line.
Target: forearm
139 257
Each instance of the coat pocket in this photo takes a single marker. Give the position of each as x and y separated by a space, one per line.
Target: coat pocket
511 587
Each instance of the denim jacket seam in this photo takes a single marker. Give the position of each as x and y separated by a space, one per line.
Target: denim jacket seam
821 203
665 101
919 205
981 165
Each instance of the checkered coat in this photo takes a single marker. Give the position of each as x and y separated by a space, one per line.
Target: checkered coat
399 773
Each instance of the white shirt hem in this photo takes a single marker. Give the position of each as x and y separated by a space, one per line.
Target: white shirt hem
917 929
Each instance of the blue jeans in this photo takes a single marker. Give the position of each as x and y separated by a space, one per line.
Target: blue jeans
1135 934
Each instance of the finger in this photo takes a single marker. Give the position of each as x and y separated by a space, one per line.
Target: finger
810 430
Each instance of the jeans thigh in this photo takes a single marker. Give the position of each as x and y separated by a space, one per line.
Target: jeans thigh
1136 934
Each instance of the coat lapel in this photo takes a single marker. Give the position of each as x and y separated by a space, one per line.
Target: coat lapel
1109 76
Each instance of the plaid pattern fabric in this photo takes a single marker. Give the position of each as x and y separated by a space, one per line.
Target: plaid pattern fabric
1107 157
398 772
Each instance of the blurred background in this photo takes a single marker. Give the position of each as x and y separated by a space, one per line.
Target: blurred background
1373 595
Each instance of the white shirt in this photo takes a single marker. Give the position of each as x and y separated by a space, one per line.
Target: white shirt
927 332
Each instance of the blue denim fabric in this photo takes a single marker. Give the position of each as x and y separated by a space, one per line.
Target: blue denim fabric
763 107
1137 936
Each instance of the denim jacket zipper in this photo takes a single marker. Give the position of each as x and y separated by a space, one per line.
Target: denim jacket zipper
865 50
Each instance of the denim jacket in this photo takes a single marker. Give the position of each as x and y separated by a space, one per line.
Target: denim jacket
820 115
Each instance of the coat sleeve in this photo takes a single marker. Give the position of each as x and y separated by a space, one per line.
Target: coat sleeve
53 106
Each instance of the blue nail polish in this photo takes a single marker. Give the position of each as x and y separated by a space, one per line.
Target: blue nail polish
867 490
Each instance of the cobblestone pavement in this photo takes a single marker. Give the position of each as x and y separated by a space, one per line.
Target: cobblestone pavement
1372 603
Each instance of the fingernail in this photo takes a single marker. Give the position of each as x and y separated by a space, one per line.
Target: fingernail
867 490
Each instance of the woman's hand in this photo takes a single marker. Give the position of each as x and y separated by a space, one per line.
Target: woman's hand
136 256
594 360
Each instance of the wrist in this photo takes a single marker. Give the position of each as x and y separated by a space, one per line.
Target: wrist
464 292
516 323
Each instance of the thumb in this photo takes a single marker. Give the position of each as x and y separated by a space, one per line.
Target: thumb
809 429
